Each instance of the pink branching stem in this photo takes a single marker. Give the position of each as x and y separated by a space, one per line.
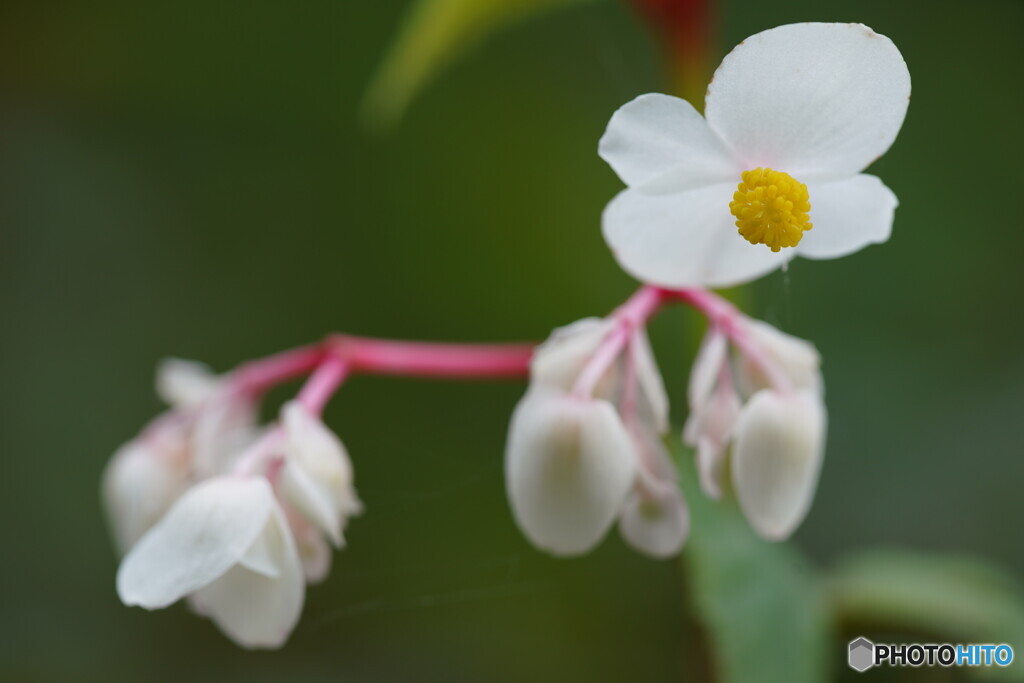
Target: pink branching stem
726 317
258 376
340 355
421 359
629 317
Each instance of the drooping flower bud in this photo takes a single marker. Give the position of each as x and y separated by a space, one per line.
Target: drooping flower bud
569 465
777 454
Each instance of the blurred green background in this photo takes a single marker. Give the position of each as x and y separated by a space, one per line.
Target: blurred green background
191 179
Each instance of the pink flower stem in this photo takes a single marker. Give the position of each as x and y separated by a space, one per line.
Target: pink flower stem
322 384
340 355
258 376
727 318
421 359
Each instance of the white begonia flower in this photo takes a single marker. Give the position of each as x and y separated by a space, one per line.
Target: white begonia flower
792 117
776 459
226 543
317 478
569 464
143 479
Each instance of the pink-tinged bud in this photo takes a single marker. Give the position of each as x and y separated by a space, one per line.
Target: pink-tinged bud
558 362
776 458
569 465
142 481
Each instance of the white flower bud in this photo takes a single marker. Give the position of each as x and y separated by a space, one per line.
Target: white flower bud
656 524
558 362
142 480
776 458
226 543
317 478
185 383
569 465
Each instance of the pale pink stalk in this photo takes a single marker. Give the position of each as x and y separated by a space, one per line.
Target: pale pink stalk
322 384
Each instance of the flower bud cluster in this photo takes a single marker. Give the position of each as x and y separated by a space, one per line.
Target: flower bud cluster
208 506
585 444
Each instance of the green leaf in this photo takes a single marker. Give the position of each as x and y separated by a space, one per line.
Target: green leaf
759 602
433 34
955 599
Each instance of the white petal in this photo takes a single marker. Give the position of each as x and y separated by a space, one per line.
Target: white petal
848 215
560 359
253 609
707 368
776 459
817 101
796 358
652 397
687 239
185 383
208 530
140 483
569 465
655 136
657 526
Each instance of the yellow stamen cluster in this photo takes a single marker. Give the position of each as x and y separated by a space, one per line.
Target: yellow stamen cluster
771 207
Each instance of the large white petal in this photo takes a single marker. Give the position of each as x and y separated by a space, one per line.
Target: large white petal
568 465
848 215
658 138
686 239
252 608
209 529
814 100
776 459
656 525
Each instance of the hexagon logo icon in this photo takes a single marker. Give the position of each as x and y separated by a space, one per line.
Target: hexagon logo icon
862 654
